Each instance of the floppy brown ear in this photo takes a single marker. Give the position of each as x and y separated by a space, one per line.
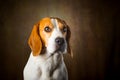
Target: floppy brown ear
68 41
34 41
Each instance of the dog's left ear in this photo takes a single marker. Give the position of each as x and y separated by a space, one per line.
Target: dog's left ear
68 41
34 41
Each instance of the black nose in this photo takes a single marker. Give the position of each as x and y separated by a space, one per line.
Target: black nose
59 41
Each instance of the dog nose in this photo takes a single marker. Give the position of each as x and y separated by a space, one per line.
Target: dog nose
59 41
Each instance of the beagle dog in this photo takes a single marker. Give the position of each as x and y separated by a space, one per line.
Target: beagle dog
48 41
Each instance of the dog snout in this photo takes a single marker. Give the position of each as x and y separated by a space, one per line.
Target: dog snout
59 41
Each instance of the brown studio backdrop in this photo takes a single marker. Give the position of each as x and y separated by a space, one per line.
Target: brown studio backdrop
94 40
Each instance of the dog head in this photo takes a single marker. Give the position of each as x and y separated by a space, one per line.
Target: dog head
50 33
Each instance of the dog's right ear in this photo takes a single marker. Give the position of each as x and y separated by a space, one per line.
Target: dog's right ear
34 41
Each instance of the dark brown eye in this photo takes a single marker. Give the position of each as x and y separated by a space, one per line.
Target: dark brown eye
47 29
64 29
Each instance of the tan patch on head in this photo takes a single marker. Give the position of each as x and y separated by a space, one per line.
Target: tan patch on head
45 35
62 25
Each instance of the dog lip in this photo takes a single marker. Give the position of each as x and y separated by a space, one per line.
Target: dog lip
60 48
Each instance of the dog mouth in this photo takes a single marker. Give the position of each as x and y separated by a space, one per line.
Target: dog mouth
60 48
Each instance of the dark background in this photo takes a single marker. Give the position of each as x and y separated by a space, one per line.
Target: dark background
95 39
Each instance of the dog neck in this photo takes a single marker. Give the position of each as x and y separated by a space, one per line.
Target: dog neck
48 63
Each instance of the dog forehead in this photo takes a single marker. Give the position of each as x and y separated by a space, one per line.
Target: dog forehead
45 22
57 23
54 22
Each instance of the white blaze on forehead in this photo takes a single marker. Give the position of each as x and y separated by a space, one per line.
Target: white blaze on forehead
56 32
55 23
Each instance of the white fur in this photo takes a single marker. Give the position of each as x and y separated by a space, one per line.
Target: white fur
50 65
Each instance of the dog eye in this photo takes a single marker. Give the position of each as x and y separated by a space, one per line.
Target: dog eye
47 29
64 29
